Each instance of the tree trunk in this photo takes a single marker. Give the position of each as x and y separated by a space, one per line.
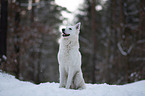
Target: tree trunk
17 37
93 24
142 17
142 32
3 28
33 11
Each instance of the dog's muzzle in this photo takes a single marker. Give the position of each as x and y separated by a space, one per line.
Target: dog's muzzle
64 34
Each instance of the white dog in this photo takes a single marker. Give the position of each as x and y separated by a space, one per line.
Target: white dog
69 59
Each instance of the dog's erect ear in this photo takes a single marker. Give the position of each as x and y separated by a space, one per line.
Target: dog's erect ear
78 26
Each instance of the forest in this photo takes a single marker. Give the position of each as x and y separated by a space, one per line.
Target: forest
112 39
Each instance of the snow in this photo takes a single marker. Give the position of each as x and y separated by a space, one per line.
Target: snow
9 86
69 5
121 50
98 8
4 57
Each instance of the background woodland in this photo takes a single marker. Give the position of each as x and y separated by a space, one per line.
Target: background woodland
112 40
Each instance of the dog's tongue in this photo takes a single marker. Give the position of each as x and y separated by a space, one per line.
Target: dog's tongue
64 34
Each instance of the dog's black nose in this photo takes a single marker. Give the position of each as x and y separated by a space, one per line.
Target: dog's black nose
63 30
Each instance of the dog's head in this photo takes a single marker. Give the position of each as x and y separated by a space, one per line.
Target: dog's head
71 31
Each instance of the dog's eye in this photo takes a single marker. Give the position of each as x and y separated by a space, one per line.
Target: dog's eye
70 29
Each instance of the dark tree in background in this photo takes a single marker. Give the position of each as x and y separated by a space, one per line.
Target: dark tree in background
17 36
3 29
93 27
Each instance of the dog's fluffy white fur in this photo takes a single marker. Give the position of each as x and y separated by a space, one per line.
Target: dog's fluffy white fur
69 59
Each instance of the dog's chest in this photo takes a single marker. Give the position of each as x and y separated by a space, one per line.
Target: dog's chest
66 50
66 55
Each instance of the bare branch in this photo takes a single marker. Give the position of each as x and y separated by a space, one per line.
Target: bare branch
121 49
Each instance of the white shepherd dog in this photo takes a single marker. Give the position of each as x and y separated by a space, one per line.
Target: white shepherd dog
69 59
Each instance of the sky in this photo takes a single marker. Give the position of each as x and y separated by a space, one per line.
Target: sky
71 5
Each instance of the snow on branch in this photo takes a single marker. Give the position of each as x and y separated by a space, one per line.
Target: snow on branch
121 50
125 53
4 57
140 41
130 48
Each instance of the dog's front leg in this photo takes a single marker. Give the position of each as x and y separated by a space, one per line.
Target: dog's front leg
69 79
63 77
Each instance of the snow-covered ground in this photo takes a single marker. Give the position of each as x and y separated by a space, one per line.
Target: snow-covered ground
9 86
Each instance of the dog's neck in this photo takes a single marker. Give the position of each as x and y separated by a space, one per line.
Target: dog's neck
70 43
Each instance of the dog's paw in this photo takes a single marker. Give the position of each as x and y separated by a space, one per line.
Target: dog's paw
67 87
81 88
61 86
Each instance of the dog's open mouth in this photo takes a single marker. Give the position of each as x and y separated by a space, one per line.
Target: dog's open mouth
65 35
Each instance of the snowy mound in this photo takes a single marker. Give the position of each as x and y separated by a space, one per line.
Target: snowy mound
9 86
